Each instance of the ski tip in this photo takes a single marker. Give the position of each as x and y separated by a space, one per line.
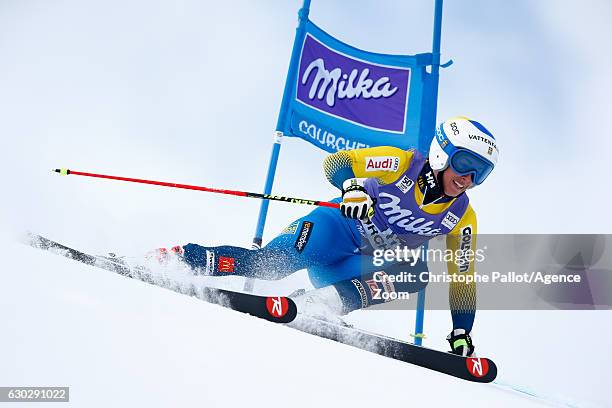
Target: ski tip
62 172
481 369
281 309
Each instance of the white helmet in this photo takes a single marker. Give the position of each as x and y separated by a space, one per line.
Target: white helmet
466 146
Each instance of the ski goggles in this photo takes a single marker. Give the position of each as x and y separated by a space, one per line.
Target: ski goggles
464 162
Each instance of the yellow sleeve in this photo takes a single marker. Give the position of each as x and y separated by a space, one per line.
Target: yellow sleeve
385 163
462 296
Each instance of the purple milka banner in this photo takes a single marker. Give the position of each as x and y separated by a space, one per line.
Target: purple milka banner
368 94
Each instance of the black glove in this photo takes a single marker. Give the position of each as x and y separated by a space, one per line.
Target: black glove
461 343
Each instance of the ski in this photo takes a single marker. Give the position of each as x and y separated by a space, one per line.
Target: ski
283 310
278 309
476 369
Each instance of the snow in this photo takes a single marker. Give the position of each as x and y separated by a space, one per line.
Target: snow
120 342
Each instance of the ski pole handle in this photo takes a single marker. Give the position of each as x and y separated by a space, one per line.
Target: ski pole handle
293 200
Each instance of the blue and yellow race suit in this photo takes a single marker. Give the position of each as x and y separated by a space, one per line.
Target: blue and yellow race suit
409 210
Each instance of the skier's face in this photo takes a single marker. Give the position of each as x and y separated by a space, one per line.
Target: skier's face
454 184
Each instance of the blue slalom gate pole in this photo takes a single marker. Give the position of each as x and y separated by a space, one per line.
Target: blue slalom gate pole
420 316
435 64
299 38
420 312
435 76
263 209
278 134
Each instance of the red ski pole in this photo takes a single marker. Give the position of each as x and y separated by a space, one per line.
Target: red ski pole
65 172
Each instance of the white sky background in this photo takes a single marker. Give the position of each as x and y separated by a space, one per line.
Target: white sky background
189 91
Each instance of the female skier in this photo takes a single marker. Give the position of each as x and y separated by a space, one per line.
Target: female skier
390 198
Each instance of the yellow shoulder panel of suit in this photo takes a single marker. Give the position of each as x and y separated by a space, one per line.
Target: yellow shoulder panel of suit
385 163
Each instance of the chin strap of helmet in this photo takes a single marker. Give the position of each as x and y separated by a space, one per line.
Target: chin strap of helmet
431 193
440 180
